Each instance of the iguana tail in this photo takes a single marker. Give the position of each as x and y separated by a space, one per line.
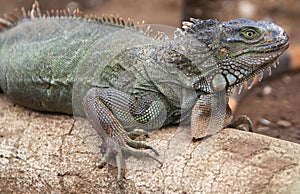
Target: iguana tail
9 20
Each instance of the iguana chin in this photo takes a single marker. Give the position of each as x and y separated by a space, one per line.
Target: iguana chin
127 81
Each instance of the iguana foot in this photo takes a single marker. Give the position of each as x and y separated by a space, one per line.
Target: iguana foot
131 147
132 150
117 142
121 146
240 121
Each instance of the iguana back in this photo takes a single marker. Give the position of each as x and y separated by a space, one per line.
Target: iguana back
39 57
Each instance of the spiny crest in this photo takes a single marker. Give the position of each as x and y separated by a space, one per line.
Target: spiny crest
202 30
196 25
11 19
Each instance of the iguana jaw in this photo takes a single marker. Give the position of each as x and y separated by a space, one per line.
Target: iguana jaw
273 54
263 58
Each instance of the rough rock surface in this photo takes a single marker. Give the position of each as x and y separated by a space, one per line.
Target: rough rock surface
43 153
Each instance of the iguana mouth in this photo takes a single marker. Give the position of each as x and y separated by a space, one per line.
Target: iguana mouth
277 50
278 46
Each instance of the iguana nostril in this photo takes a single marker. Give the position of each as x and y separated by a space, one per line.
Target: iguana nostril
285 36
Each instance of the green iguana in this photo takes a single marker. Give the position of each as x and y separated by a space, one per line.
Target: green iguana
126 81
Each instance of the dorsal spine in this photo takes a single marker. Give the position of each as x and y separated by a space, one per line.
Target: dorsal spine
11 19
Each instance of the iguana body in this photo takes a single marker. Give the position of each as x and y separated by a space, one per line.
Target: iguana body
126 79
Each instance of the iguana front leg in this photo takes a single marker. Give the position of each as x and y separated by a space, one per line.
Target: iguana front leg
212 113
101 106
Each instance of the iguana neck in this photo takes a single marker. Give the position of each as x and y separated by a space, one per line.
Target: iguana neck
194 58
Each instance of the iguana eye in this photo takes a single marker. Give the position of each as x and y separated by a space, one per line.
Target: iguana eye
249 33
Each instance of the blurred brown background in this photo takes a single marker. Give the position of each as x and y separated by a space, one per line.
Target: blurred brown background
275 112
170 12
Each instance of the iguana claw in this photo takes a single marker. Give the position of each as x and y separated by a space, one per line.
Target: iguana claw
242 120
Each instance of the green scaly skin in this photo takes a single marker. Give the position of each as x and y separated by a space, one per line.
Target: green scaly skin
127 80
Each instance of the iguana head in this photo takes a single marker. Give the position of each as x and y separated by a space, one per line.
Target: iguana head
241 48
